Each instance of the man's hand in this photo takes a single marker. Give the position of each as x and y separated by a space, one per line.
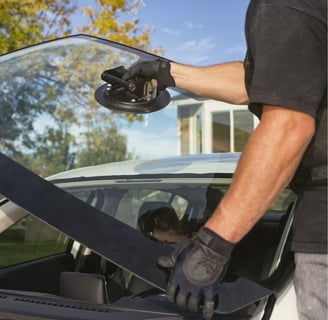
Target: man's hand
198 266
153 69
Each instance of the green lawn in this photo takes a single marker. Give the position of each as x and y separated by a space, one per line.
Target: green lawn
12 252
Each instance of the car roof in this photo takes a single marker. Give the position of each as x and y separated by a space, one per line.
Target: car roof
195 164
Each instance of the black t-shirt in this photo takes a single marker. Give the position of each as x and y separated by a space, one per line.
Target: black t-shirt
286 65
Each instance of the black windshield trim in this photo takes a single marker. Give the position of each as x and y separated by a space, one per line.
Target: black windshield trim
82 222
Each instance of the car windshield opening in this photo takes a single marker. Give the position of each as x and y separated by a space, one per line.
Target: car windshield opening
171 210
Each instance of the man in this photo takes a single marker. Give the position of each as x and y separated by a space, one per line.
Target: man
283 80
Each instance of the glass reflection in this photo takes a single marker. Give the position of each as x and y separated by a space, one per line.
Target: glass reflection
50 121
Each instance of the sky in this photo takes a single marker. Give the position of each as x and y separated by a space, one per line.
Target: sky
198 32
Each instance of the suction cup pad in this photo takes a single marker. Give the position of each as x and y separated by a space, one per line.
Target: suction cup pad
121 101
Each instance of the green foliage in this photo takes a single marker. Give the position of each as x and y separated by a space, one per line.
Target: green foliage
103 20
103 145
25 22
16 252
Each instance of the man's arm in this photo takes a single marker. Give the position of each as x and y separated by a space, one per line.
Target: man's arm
224 82
267 165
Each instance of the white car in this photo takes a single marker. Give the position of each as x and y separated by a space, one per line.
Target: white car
83 243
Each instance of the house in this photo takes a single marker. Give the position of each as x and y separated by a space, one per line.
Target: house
209 126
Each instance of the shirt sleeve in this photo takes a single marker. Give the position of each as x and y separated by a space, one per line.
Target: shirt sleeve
288 50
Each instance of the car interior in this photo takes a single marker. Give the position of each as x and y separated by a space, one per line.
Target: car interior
82 274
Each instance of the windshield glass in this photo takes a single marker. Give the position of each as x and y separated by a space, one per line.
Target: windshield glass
128 201
50 120
169 209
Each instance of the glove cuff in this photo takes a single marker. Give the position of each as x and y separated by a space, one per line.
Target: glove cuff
165 74
215 242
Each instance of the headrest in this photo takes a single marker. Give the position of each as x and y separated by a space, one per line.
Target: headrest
151 205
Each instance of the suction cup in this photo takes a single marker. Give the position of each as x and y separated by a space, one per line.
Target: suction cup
137 95
124 102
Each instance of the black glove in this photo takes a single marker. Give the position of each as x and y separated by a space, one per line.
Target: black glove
153 69
198 266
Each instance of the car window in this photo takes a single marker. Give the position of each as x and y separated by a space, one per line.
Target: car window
173 206
283 201
129 207
29 239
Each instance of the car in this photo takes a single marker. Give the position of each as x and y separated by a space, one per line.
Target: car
83 243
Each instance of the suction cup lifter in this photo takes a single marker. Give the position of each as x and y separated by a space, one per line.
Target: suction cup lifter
138 95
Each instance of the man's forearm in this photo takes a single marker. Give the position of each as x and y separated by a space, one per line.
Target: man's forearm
224 82
267 165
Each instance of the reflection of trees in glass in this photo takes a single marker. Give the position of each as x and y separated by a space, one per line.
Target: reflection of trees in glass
47 98
23 99
49 114
103 145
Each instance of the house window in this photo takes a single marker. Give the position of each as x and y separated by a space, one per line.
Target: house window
231 130
184 136
242 126
221 132
199 134
190 128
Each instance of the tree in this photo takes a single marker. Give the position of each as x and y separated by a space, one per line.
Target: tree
103 20
103 145
23 99
54 147
25 22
